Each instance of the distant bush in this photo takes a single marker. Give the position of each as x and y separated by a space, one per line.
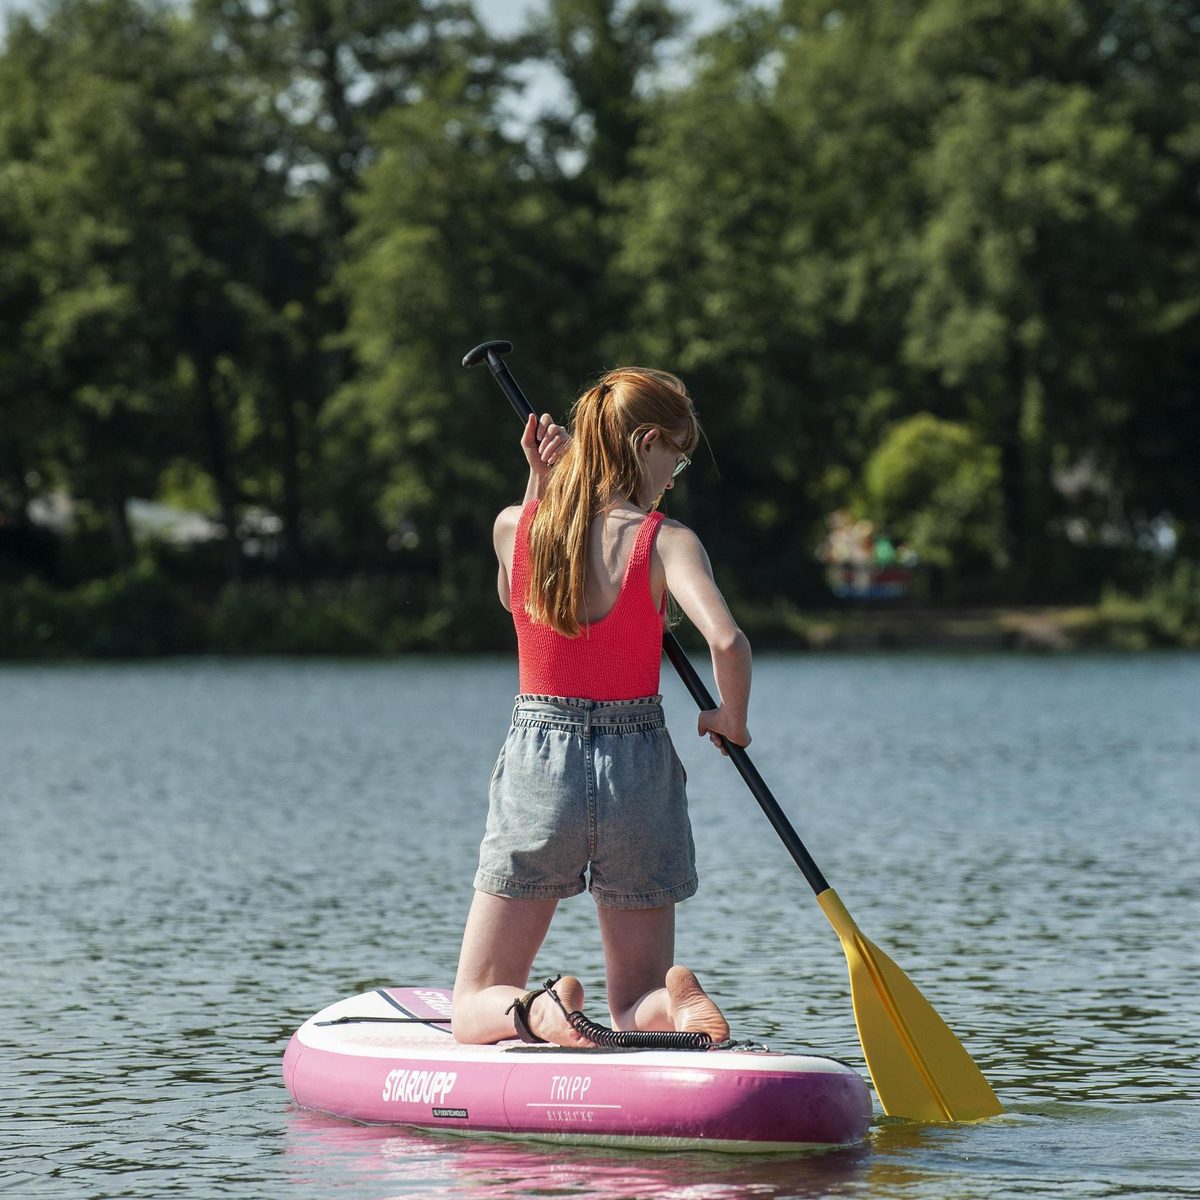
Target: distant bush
265 617
133 614
1174 602
143 612
1168 614
31 623
935 486
356 616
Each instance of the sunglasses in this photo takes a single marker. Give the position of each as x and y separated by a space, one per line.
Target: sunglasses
683 463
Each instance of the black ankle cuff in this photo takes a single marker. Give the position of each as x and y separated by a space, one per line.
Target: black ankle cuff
520 1015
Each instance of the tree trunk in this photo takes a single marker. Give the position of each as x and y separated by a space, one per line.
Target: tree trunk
216 441
1041 577
118 522
15 497
293 549
1024 477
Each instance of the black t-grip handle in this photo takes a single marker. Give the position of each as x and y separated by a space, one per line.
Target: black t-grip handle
492 353
485 350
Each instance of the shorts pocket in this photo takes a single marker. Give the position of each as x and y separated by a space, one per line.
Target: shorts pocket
498 767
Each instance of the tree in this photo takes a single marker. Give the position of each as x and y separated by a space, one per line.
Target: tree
1031 264
144 176
606 53
328 69
464 231
935 486
609 57
26 406
320 74
455 239
755 243
853 214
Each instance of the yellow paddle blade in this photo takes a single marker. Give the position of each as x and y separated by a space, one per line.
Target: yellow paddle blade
921 1071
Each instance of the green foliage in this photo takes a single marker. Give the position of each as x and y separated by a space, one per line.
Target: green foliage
350 617
709 246
1168 613
137 165
461 232
131 614
266 618
143 612
934 485
445 246
949 248
1174 602
604 51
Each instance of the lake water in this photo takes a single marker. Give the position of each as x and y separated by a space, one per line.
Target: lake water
199 855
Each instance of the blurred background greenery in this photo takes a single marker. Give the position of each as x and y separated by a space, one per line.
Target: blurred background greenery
930 268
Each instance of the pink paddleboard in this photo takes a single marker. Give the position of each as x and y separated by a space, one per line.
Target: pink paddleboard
388 1057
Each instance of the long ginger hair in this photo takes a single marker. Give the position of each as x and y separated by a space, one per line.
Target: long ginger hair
601 467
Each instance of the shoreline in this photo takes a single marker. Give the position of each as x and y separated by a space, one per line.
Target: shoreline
1050 629
141 615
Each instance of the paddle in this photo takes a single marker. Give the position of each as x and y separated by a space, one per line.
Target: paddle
921 1071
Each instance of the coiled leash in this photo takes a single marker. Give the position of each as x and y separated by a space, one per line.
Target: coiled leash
601 1035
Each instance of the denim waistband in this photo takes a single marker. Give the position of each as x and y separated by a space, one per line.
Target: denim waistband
572 712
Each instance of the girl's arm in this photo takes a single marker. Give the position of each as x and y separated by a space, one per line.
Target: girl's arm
689 579
504 537
543 443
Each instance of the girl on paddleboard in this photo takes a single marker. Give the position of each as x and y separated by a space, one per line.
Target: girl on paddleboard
588 790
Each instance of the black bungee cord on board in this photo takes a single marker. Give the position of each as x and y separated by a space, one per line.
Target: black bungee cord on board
628 1039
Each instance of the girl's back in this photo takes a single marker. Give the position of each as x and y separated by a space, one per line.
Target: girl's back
611 539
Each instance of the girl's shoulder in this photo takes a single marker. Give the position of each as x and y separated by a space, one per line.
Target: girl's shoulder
675 533
504 531
508 518
677 545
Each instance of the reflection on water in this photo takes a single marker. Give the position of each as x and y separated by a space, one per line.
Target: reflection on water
410 1163
1018 1154
200 855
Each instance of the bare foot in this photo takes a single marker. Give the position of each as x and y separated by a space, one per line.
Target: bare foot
691 1008
546 1018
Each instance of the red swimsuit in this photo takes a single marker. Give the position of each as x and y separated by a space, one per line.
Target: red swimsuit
615 658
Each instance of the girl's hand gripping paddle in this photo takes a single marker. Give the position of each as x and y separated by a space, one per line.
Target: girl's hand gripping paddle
921 1071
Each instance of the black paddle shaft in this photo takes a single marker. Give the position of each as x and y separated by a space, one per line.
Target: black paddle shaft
493 354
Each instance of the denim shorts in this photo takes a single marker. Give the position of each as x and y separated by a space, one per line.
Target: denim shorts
588 793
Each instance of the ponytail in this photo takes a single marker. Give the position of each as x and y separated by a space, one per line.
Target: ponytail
601 466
